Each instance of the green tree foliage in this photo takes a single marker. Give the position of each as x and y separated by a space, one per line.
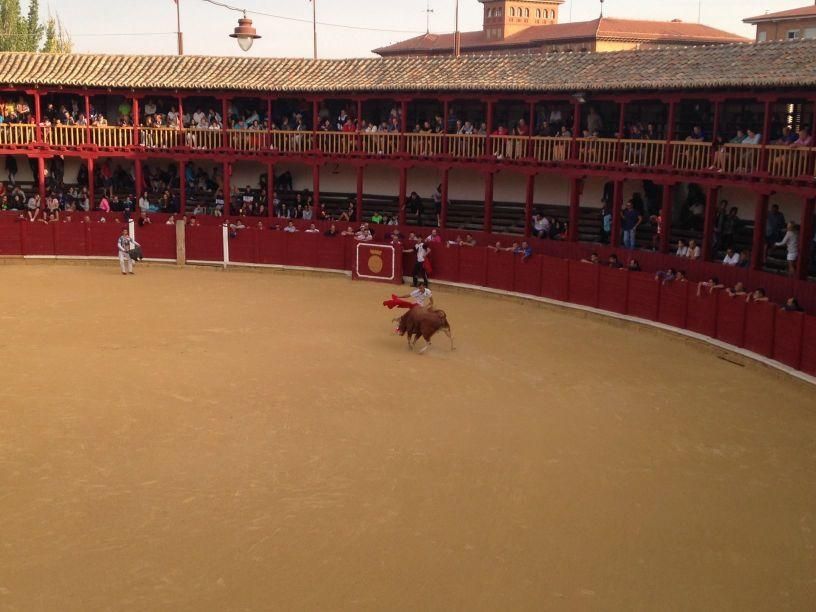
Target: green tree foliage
26 33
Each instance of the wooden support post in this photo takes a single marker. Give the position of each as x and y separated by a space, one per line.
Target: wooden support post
227 188
669 135
41 179
360 188
445 199
270 189
576 185
88 119
805 239
138 179
181 242
708 223
403 141
135 118
528 205
766 138
666 217
576 129
617 207
316 191
488 208
38 116
91 186
758 242
182 188
403 188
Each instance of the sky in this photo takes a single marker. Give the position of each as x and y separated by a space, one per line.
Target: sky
148 26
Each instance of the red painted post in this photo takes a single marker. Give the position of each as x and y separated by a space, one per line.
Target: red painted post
315 120
360 187
227 188
316 191
445 111
489 137
528 205
666 218
766 136
488 209
88 118
576 129
91 186
41 179
136 120
574 209
716 128
621 127
37 116
226 124
138 178
270 189
617 207
182 188
444 213
805 239
180 127
669 135
359 137
403 188
403 142
708 223
757 246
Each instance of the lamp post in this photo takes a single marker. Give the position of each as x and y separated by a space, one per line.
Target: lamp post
245 34
179 35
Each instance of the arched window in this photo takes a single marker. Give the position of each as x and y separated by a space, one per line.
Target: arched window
499 12
526 12
512 11
538 13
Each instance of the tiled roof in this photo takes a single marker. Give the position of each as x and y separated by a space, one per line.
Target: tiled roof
805 11
769 65
604 28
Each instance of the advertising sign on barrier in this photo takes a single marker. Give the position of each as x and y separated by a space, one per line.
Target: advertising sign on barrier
376 262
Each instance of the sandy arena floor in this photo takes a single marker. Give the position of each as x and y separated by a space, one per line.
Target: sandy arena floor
200 440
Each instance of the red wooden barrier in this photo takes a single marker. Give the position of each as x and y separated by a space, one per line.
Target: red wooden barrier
731 319
243 247
446 263
583 283
788 333
38 238
158 240
301 250
613 289
527 275
500 266
103 237
331 254
644 296
701 312
10 238
272 248
809 346
674 300
473 266
555 278
205 243
71 239
759 328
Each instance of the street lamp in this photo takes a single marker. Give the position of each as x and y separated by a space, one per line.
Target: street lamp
245 34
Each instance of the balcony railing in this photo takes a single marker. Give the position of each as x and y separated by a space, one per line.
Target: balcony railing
776 161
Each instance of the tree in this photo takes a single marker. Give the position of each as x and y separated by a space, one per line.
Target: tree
19 33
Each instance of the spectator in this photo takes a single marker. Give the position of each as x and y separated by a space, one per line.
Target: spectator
349 231
791 242
666 276
377 218
290 228
631 219
434 237
693 251
525 250
606 225
757 296
736 290
731 258
541 226
774 227
711 284
593 259
682 249
792 305
144 204
633 265
498 247
331 232
614 263
730 226
681 276
744 259
312 229
171 220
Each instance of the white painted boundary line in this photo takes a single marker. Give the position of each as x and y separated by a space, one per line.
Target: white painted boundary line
614 315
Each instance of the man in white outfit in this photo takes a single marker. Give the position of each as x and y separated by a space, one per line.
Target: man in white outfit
126 244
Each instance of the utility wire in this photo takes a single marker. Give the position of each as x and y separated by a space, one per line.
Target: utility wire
300 20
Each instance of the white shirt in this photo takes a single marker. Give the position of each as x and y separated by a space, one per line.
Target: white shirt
290 229
144 204
693 253
732 260
682 251
421 252
542 225
421 296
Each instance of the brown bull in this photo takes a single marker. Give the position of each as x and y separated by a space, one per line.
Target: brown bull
424 322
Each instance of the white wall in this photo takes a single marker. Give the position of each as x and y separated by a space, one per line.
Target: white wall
381 180
551 189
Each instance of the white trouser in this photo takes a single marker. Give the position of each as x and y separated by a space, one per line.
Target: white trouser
125 262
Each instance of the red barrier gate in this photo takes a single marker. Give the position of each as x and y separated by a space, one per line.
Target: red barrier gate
789 328
759 328
731 318
613 289
583 283
674 299
701 312
644 296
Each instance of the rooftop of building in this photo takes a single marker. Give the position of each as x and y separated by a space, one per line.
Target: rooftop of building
603 28
797 13
776 64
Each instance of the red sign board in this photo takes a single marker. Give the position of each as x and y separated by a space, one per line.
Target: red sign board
377 262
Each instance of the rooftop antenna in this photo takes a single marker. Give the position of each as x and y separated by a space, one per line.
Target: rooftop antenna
602 1
428 12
